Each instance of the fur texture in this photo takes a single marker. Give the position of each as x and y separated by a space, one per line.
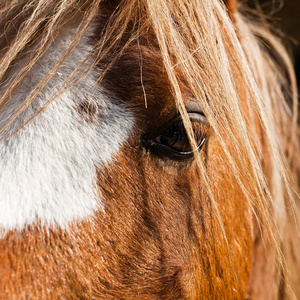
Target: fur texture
56 154
170 227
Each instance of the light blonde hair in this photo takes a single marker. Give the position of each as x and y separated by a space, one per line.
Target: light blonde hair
198 40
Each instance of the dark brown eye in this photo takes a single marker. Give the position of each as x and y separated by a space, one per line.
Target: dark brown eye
172 140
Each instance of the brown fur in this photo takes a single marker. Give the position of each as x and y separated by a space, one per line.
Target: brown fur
231 5
164 232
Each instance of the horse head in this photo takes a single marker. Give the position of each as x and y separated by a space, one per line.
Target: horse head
143 152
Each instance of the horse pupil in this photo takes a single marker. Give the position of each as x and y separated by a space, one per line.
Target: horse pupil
176 137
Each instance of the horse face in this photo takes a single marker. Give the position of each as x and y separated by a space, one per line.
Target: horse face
173 224
153 233
119 208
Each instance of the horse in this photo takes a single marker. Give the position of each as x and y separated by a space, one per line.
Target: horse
148 150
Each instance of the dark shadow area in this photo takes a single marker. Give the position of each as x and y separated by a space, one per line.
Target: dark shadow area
286 15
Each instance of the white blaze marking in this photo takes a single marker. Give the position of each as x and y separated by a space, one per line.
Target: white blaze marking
47 170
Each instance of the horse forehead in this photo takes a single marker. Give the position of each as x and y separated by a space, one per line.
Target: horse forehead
48 172
139 79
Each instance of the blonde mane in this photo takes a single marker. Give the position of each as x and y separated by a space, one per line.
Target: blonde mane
200 42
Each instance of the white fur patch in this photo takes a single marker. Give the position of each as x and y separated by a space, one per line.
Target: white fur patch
48 172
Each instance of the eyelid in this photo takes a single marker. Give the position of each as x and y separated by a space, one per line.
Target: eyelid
193 106
193 116
200 117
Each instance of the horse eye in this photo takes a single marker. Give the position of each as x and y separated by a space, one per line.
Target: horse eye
172 141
